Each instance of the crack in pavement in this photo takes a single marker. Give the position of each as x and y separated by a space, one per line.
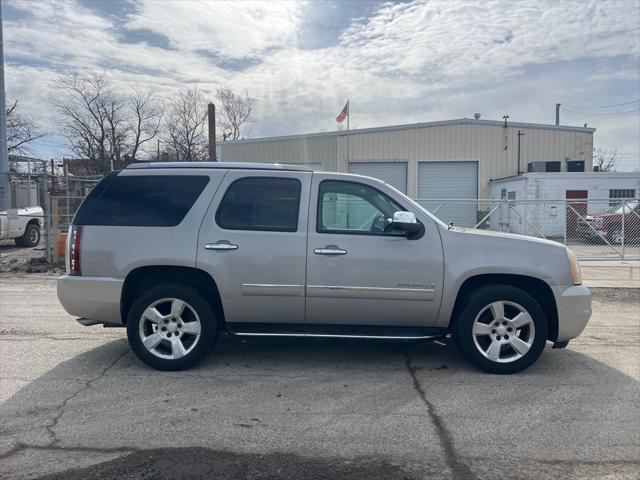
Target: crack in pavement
459 469
60 410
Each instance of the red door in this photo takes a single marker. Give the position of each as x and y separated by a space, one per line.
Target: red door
579 206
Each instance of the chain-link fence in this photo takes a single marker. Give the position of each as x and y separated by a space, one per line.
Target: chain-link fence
24 222
41 200
66 201
594 229
33 226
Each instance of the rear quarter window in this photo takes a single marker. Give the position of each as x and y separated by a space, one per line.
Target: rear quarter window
141 200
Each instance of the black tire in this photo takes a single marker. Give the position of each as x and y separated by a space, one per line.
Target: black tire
31 236
474 304
206 315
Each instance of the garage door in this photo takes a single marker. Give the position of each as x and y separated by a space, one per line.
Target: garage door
442 181
394 173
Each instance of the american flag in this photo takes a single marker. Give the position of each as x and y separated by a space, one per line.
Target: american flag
344 113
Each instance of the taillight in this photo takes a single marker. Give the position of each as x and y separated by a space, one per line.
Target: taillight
74 250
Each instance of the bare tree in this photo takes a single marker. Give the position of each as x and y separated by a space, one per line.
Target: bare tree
104 127
147 115
21 130
605 160
186 125
235 111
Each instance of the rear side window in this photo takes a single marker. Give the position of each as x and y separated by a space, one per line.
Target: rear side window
141 200
260 203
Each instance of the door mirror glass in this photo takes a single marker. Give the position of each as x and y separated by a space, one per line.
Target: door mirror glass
406 222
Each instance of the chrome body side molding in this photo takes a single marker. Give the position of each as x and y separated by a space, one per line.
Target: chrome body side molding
371 292
273 289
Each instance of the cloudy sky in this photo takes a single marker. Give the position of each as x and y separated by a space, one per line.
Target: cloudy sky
404 62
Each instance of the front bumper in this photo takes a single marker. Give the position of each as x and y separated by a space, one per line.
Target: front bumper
94 298
574 310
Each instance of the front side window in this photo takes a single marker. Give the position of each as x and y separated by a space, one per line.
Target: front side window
261 203
349 207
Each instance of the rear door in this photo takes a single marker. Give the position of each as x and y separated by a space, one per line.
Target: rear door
359 272
253 243
576 209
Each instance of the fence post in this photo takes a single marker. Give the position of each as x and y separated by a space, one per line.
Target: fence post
566 213
47 217
624 216
55 212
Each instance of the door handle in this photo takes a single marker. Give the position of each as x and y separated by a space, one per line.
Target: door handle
330 250
220 246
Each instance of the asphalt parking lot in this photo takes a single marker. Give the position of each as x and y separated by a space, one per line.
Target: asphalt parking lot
76 404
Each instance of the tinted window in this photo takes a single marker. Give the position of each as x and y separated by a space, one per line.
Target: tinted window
141 201
261 203
349 207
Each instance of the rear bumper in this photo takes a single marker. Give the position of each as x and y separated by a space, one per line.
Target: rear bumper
574 310
94 298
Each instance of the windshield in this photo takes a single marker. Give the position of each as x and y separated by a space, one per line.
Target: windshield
627 207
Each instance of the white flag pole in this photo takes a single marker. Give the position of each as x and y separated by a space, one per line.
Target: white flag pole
348 117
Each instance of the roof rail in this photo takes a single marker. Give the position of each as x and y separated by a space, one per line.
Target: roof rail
224 165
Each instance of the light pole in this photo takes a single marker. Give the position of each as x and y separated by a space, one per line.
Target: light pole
5 191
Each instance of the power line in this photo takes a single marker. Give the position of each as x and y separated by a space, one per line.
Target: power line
608 113
603 106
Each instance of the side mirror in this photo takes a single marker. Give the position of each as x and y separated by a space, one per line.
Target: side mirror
406 222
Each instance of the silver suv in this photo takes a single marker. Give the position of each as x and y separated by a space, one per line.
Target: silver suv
180 252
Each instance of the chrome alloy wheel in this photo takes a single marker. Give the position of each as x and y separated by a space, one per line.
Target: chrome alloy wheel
503 332
170 328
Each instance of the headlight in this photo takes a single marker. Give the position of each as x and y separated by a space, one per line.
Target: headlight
576 274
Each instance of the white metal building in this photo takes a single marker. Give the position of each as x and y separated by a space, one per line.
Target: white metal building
550 200
453 159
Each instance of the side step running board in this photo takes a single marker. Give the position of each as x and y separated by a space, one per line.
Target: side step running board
373 332
337 335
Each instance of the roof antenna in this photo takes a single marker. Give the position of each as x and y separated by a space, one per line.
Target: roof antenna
506 132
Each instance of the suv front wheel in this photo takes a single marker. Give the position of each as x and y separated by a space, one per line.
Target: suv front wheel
171 327
501 329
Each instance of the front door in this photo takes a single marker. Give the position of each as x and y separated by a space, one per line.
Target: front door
359 271
253 243
575 208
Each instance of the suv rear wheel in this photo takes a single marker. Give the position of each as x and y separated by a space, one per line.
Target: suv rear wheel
501 329
171 327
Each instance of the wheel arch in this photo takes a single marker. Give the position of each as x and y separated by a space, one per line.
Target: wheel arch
143 278
535 287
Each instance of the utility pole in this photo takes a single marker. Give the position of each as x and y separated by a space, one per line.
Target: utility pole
158 154
211 115
520 134
5 191
558 113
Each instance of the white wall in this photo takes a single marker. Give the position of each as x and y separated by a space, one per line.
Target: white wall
545 193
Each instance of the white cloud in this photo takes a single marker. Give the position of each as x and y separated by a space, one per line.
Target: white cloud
406 62
232 29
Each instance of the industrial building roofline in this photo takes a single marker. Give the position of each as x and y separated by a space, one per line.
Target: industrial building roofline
410 126
568 175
